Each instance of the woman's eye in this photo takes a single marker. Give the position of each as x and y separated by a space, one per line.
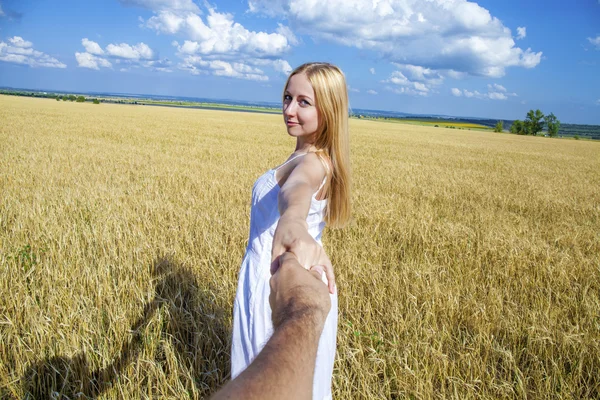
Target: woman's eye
287 97
304 103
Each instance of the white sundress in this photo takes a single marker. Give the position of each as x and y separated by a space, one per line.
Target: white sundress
252 325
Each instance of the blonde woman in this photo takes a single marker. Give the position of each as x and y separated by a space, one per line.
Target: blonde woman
290 206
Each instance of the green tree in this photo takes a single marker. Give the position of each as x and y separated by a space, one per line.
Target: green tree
96 101
534 123
80 99
499 126
72 97
518 127
552 123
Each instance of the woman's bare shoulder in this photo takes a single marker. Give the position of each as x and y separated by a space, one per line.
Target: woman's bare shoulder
317 162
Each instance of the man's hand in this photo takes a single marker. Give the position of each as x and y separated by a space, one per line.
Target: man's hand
291 235
297 294
285 367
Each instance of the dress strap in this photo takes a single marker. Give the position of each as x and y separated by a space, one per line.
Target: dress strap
291 159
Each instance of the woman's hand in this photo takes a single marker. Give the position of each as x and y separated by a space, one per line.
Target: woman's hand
292 235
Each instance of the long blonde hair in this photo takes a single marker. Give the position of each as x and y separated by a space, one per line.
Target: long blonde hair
331 100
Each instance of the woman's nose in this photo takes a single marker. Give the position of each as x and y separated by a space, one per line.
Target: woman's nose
290 108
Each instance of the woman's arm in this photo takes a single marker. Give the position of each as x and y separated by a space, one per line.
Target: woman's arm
294 203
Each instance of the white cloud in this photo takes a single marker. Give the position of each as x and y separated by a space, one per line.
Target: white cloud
221 35
598 101
163 65
135 52
289 35
372 71
406 90
282 66
197 65
21 51
351 89
214 37
138 55
92 47
496 87
18 41
448 35
521 32
422 81
371 91
278 65
495 92
497 96
87 60
595 41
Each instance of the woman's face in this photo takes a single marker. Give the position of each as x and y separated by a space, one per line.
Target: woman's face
299 111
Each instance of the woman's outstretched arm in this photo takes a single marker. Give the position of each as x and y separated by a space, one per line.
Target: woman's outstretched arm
294 204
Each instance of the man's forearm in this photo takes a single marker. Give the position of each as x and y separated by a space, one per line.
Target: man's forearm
284 368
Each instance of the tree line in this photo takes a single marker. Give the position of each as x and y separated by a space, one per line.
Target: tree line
535 122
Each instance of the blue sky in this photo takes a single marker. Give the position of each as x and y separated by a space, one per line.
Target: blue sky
495 59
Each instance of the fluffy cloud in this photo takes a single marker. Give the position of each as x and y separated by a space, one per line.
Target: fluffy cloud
278 65
138 55
406 90
521 32
595 41
92 47
197 65
371 91
18 41
416 80
21 51
135 52
496 88
495 92
87 60
221 35
438 34
351 89
214 43
372 71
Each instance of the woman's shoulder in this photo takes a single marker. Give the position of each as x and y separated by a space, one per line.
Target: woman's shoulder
318 160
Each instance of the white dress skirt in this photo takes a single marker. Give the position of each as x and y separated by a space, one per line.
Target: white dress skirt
252 325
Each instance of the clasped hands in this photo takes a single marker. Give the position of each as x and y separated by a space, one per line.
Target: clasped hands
291 235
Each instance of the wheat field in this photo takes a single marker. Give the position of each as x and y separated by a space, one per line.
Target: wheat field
471 267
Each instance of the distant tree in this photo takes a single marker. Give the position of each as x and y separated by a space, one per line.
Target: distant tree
57 98
96 101
518 127
72 97
552 124
534 123
499 126
80 99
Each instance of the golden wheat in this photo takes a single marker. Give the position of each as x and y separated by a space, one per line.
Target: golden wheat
470 270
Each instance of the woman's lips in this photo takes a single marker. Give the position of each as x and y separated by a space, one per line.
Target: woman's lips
291 123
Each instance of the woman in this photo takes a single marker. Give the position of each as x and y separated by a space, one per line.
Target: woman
290 206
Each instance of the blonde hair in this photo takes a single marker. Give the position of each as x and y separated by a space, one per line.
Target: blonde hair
331 100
